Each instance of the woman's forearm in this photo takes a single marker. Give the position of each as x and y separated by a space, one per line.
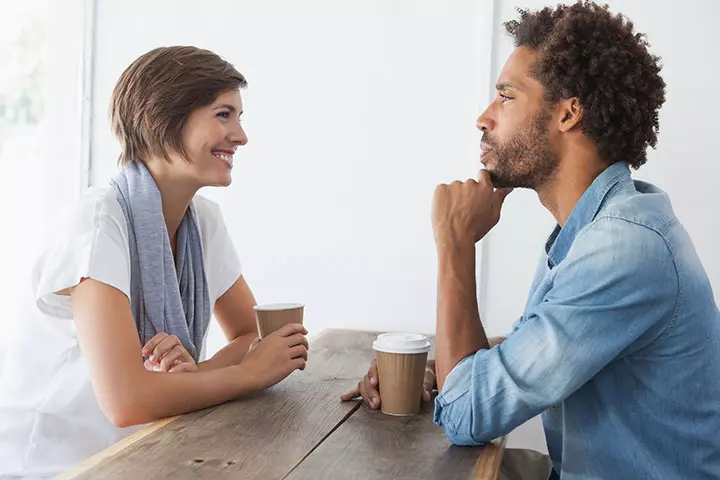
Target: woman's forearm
151 396
231 354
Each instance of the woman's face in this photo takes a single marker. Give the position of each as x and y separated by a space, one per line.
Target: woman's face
210 137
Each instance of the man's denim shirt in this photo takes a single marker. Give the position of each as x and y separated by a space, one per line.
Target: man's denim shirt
618 347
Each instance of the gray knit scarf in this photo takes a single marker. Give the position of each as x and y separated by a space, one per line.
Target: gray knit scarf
164 296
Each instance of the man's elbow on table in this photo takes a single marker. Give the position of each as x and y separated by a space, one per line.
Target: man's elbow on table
463 439
457 421
462 435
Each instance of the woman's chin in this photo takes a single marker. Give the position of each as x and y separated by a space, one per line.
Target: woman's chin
219 181
226 182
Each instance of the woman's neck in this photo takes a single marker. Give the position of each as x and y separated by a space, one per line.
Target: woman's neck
176 194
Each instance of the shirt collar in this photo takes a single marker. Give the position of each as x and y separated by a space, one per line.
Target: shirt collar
562 238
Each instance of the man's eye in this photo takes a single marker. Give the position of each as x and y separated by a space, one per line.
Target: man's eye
505 98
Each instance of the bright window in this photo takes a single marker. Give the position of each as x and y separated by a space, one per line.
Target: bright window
42 55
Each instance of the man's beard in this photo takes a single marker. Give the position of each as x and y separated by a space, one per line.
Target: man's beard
527 160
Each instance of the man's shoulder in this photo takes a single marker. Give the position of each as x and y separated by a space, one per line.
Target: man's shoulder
631 231
645 206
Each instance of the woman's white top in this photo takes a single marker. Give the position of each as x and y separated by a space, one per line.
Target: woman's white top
49 417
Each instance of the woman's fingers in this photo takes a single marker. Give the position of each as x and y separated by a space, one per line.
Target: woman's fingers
290 329
152 343
299 363
297 339
299 351
149 366
176 354
163 347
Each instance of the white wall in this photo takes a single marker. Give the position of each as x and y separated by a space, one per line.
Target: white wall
355 112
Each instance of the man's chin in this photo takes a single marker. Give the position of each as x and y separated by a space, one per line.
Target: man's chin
497 179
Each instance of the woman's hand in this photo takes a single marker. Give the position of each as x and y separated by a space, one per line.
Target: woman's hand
277 355
166 353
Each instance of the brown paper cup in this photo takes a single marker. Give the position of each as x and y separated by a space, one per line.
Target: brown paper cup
400 377
401 362
273 316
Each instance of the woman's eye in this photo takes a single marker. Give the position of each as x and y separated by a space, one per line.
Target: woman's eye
224 115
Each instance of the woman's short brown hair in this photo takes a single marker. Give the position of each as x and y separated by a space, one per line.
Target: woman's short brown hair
157 92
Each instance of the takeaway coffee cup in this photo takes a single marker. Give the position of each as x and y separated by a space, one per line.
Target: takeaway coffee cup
401 360
272 316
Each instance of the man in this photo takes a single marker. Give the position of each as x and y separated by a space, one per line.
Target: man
619 343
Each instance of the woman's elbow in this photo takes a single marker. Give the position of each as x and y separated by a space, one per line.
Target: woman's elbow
123 409
118 416
122 414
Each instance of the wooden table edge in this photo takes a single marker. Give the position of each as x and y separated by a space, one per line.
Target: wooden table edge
489 460
114 449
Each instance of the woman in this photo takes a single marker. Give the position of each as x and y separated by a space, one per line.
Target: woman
124 290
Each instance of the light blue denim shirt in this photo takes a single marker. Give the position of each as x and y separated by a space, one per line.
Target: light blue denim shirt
618 348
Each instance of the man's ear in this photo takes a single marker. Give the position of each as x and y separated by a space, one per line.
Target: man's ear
571 113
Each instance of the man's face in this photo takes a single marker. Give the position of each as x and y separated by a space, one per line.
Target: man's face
516 147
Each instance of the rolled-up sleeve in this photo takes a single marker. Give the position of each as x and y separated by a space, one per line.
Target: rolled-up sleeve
604 301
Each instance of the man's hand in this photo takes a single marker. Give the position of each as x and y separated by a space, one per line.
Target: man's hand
466 211
368 387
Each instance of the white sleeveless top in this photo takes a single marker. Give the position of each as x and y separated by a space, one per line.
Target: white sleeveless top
49 417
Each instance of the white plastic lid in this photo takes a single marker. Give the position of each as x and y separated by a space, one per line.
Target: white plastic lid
278 306
401 343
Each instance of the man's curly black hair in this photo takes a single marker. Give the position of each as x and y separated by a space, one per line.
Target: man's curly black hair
589 53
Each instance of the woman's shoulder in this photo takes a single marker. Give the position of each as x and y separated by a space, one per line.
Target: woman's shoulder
101 201
95 208
93 222
89 238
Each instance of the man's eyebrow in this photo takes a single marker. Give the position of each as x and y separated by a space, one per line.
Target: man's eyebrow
505 86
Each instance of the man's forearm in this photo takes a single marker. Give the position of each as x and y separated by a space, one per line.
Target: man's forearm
231 354
459 330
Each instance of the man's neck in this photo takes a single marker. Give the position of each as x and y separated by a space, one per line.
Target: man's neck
573 177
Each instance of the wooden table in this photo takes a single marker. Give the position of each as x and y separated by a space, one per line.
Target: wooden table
298 429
